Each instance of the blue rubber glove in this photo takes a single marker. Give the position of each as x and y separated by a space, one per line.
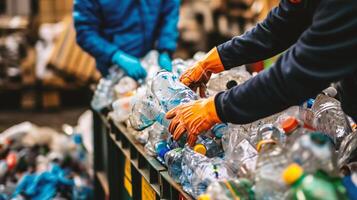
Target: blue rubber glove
129 64
165 61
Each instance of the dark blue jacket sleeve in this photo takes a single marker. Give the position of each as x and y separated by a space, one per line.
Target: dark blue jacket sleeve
325 52
168 32
282 27
87 22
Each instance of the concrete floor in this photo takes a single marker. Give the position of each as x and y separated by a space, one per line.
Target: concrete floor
53 119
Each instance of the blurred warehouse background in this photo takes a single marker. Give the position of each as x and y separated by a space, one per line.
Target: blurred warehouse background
42 68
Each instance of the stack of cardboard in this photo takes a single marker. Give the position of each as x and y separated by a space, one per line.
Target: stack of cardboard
54 10
68 58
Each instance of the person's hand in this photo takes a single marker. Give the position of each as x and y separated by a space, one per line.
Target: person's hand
165 61
130 65
192 118
199 74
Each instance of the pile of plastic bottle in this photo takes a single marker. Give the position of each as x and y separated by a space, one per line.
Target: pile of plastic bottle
308 151
40 163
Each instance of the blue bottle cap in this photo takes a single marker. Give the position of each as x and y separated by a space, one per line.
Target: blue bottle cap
162 152
217 130
77 138
310 102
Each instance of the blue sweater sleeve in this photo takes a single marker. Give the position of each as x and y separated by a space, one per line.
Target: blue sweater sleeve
168 32
282 27
87 23
324 53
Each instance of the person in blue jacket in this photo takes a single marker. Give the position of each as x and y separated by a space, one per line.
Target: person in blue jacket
319 38
119 32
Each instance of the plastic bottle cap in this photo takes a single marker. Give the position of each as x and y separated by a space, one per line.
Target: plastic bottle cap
292 173
200 148
204 197
289 124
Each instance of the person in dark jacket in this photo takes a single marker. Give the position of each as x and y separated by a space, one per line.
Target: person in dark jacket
119 32
320 39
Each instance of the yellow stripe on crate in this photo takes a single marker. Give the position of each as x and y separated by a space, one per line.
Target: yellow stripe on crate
147 193
128 186
127 177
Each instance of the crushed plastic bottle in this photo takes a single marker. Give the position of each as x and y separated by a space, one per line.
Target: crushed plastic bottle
170 92
228 190
271 162
157 134
146 112
316 186
240 155
329 117
198 172
173 161
314 152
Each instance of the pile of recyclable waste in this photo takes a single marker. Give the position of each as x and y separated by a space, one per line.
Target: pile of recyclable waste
308 151
41 163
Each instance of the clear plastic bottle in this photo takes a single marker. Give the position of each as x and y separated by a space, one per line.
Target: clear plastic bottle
269 131
272 160
104 94
314 152
229 189
329 117
173 161
240 155
200 171
208 147
145 112
170 92
293 129
157 135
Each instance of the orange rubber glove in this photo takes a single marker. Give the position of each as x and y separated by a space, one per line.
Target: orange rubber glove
194 118
199 74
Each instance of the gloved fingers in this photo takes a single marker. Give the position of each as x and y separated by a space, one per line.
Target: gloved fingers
203 90
191 140
171 113
186 81
174 123
180 130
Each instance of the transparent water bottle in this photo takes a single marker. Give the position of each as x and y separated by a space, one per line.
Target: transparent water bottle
314 152
329 117
104 94
269 131
229 189
208 147
293 129
190 161
206 173
173 161
272 160
146 112
157 134
240 154
170 92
